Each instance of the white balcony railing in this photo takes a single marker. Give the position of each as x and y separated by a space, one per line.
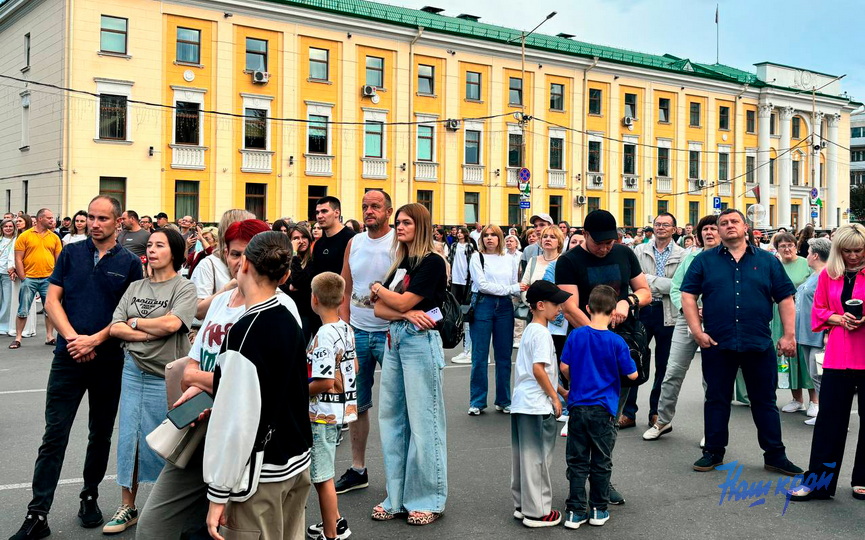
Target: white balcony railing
725 189
375 168
473 174
319 165
257 161
665 185
513 176
630 182
695 187
426 171
557 179
595 181
187 157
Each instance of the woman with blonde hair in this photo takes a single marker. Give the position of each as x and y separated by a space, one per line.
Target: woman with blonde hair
838 309
22 223
494 283
412 408
552 241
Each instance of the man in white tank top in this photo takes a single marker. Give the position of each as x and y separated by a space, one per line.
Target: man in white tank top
368 257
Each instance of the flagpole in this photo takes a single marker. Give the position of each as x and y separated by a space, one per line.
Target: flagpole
717 36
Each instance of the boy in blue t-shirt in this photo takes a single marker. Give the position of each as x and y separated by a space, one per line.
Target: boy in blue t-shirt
599 357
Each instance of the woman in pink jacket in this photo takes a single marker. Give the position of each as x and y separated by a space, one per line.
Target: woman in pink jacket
843 366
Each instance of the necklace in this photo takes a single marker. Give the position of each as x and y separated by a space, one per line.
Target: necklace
549 260
850 278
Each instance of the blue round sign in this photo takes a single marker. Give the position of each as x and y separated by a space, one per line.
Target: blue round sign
525 174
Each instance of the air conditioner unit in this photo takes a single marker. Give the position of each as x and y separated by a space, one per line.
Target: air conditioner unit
628 121
701 183
579 200
598 180
367 90
260 77
631 181
452 124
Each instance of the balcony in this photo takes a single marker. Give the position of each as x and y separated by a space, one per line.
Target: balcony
319 165
513 176
695 187
187 157
665 184
375 168
595 181
473 174
557 179
256 161
630 182
426 171
725 188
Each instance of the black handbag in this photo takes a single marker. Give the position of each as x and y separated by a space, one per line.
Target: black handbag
635 336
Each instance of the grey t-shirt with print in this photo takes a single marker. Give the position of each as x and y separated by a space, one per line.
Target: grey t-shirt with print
145 299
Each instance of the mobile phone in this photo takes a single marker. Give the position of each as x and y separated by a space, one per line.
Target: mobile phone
435 314
189 411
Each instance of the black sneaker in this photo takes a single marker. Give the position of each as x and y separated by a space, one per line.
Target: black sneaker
89 514
317 530
615 496
35 526
351 481
708 462
783 466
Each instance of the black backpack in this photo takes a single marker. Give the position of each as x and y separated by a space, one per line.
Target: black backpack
635 336
451 326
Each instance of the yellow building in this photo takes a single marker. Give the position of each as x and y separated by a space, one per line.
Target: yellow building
270 105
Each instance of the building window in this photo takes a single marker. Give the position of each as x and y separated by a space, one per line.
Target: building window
693 211
25 187
25 121
375 71
794 216
771 170
723 167
318 64
724 118
594 203
664 110
425 136
515 150
772 119
27 50
317 139
797 127
515 91
796 173
629 212
751 121
255 129
187 123
663 206
425 79
112 186
695 114
629 161
473 147
471 203
857 132
188 47
112 35
556 208
473 85
663 162
594 101
313 194
631 105
186 198
373 139
256 54
112 117
557 151
557 97
425 199
256 200
750 165
594 156
693 164
514 211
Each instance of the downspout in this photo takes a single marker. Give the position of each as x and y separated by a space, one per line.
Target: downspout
64 163
585 177
411 138
736 132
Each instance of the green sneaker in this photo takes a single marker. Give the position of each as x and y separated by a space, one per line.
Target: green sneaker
124 517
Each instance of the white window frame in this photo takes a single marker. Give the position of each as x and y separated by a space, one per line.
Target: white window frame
257 101
598 138
559 133
426 120
751 152
727 150
474 125
25 120
695 147
635 141
189 95
667 144
115 87
319 108
375 115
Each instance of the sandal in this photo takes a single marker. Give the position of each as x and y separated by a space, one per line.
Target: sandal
51 342
859 492
15 345
422 518
380 514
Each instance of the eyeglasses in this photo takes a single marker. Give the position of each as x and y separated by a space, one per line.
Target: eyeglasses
663 225
786 246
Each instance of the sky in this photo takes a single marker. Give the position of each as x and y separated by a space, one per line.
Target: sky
827 36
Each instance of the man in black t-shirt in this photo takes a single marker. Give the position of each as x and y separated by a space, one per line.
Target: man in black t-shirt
328 252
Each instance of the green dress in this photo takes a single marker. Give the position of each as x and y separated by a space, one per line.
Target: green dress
798 271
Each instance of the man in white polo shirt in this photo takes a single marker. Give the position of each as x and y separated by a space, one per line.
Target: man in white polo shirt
368 257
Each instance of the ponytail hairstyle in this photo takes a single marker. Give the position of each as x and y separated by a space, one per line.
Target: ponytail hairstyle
270 253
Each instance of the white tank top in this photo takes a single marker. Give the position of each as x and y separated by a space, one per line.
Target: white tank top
369 261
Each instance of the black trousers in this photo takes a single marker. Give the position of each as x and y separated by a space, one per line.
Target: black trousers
830 432
589 454
67 383
652 317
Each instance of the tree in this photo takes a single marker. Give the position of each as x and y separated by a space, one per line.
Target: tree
857 203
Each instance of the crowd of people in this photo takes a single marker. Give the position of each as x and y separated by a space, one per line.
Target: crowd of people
150 316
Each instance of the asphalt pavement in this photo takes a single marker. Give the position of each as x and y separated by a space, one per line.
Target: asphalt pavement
664 497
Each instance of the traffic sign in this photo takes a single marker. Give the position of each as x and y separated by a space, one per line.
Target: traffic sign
525 174
716 203
814 215
525 205
815 193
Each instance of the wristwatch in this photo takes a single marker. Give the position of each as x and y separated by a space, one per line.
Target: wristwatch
134 323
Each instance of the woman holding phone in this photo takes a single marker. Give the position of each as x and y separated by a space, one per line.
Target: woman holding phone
412 408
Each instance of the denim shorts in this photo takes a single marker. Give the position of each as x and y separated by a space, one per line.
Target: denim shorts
29 288
370 352
324 438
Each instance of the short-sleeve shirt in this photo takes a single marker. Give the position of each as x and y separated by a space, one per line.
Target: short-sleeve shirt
148 300
134 241
738 296
331 355
428 279
581 268
40 252
536 347
597 359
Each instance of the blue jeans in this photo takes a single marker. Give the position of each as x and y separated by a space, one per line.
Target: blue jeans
370 351
412 422
29 288
5 301
494 316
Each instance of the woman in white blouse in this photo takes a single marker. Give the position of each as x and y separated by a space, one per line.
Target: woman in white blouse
494 282
79 229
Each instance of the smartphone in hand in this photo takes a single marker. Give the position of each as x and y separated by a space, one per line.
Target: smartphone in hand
189 411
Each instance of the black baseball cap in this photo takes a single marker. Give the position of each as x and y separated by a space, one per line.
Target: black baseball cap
161 215
544 290
601 226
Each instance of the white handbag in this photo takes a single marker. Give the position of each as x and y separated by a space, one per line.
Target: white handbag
176 446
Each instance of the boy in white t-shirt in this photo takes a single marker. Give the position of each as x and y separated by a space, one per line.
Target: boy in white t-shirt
332 364
534 408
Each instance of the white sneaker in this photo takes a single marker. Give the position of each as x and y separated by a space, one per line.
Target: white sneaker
564 432
474 411
813 409
563 417
702 443
516 344
812 421
793 406
654 433
462 358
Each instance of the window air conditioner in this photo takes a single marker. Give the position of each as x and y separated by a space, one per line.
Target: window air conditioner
368 90
260 77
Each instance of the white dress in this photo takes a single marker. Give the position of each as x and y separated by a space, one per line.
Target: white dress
30 327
